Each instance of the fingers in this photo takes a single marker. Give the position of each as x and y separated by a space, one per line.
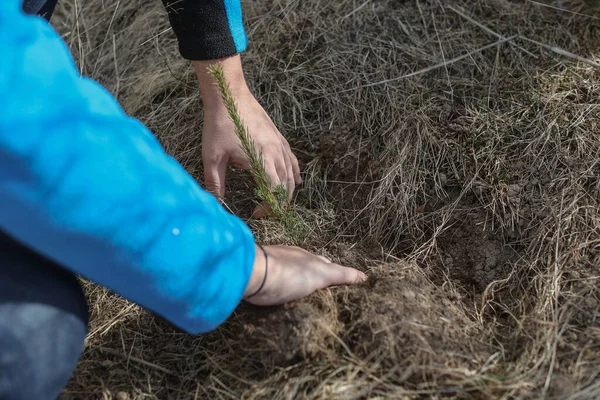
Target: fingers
339 275
296 169
293 162
263 210
334 274
289 176
281 169
276 173
280 174
214 176
287 168
325 259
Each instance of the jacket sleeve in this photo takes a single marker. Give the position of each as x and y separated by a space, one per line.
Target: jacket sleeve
207 29
92 189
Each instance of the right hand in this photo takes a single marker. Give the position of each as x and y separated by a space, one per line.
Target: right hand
221 146
294 273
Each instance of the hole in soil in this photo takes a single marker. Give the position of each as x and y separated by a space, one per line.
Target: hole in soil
471 253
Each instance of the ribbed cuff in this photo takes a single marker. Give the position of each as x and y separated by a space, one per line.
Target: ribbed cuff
199 49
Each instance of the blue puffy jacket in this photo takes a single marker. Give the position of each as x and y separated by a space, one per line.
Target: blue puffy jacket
92 189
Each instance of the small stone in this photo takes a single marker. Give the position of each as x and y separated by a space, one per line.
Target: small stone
443 179
478 267
449 261
523 223
379 9
107 363
570 161
409 294
117 372
513 190
122 396
541 213
591 302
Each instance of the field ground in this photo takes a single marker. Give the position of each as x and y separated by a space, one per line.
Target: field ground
450 149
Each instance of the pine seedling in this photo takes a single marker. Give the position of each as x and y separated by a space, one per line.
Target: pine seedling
276 198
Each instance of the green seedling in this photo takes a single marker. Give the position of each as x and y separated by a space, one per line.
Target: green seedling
274 200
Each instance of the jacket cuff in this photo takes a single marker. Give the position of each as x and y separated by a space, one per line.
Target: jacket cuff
197 48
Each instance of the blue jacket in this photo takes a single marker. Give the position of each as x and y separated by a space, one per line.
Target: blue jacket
92 189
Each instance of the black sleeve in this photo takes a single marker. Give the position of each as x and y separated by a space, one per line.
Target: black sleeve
43 8
207 29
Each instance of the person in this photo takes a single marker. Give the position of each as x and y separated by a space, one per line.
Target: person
212 32
86 190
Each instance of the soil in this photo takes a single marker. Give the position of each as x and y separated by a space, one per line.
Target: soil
472 253
396 317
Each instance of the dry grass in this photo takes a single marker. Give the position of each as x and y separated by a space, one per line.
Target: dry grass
452 149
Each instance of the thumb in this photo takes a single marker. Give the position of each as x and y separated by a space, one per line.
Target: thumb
214 176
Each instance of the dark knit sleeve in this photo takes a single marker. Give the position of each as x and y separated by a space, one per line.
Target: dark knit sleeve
207 29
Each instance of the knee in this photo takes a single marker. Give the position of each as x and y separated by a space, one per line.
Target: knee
39 349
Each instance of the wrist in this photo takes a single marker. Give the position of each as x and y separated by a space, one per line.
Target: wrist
258 272
234 74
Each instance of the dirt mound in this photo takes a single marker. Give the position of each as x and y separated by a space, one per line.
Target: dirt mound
400 326
394 334
397 314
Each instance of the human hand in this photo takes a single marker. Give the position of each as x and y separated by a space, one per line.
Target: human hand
293 273
220 145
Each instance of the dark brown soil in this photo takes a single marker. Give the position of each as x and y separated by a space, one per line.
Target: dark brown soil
471 252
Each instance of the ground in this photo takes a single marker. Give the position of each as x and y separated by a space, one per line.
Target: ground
451 150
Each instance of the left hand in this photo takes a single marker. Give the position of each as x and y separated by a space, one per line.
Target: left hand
294 273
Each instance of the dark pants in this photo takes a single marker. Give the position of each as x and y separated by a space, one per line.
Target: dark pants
43 323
